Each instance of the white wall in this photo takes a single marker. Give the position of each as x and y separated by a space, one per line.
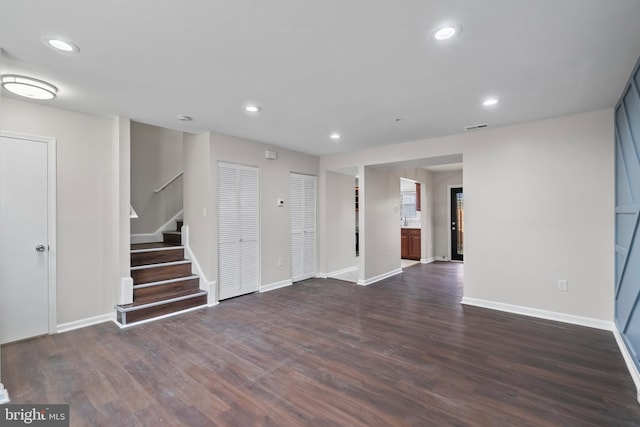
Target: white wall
156 157
341 222
441 183
86 228
538 207
198 207
539 202
380 202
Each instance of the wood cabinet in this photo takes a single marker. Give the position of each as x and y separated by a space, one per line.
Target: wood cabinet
410 243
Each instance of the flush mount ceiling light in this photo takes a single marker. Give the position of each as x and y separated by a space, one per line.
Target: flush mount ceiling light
252 109
490 101
446 32
335 136
28 87
61 45
184 118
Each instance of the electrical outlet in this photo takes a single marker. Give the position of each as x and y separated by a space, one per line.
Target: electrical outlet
562 285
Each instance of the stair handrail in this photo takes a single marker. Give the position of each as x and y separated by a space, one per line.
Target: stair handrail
166 184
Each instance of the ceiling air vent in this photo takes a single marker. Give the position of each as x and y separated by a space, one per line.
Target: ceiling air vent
474 127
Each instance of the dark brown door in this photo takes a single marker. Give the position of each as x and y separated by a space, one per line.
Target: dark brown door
457 224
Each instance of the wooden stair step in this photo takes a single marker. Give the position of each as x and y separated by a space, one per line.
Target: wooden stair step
164 289
157 272
132 313
166 295
156 255
151 245
172 237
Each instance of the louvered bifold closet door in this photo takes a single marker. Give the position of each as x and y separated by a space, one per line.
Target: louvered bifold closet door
303 226
309 226
249 230
238 230
296 212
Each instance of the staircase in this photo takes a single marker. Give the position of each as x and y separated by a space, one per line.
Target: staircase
162 281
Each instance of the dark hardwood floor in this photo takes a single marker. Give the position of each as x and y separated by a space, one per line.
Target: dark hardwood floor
400 352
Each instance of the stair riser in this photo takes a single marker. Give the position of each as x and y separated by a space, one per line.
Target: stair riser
156 257
172 239
159 310
157 274
161 291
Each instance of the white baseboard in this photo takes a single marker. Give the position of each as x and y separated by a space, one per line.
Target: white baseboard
628 360
371 280
427 260
276 285
343 271
205 284
157 235
77 324
4 395
542 314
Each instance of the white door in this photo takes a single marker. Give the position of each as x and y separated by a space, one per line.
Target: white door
302 205
238 230
24 246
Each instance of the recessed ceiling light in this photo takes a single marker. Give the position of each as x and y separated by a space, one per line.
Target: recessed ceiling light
446 32
252 109
334 136
28 87
61 45
490 101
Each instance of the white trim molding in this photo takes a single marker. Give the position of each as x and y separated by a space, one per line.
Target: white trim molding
205 284
157 235
542 314
4 395
427 260
341 272
372 280
628 360
77 324
164 316
276 285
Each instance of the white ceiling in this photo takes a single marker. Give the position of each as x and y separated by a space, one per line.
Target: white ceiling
318 67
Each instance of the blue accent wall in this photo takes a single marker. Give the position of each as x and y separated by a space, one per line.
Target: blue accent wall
627 310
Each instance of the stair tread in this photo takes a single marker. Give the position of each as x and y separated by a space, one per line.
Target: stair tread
134 315
163 296
160 264
160 249
162 299
164 282
172 232
152 245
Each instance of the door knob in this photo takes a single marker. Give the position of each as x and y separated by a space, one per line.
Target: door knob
40 248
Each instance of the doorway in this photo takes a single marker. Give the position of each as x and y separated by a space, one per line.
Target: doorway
457 223
27 245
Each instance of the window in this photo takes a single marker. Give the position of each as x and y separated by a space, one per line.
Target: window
408 204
